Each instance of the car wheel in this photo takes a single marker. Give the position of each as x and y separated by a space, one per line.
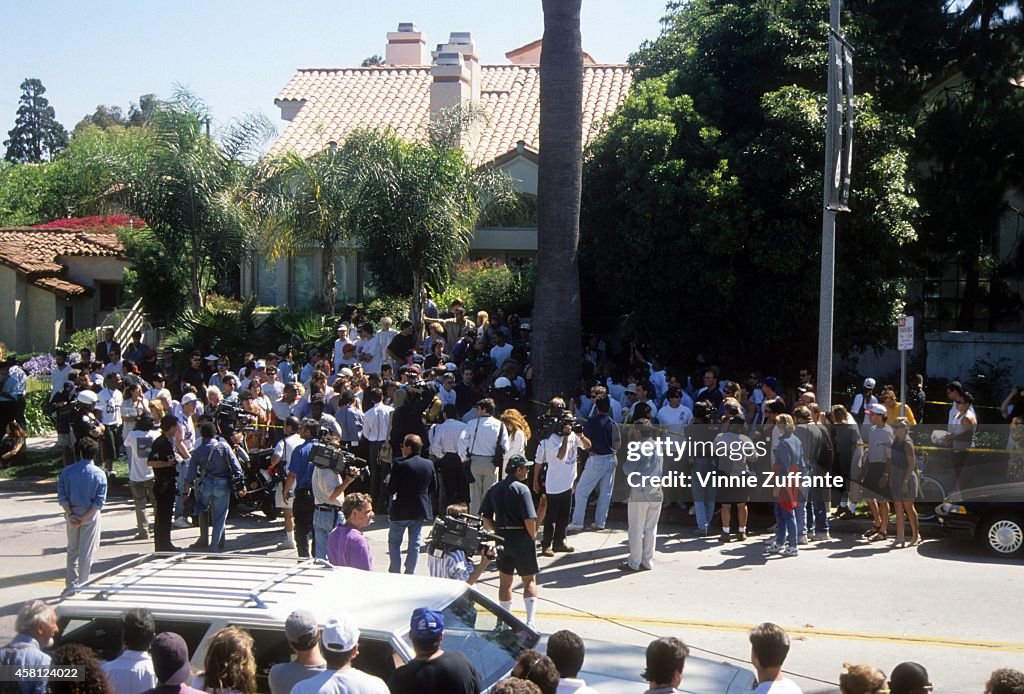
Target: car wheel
1003 534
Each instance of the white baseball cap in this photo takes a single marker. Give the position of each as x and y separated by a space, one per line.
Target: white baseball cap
87 397
502 382
188 398
869 383
877 409
346 372
339 634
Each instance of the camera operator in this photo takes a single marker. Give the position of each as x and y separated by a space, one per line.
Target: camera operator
411 403
211 468
328 493
299 484
507 509
453 562
84 423
558 453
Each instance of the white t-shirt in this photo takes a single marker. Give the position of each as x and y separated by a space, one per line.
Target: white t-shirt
500 354
58 377
285 447
347 681
369 346
572 685
109 407
675 418
339 347
273 391
131 673
561 472
137 445
783 686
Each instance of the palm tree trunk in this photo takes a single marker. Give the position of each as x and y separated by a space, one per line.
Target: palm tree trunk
556 353
417 306
330 278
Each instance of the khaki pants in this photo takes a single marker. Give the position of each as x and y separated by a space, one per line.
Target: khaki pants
83 542
142 492
484 477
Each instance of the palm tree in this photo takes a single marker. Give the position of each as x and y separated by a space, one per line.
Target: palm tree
309 202
556 319
191 190
417 204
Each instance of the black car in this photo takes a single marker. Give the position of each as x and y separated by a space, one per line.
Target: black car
993 514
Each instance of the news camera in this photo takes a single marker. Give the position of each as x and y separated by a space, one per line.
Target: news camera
326 455
231 418
463 532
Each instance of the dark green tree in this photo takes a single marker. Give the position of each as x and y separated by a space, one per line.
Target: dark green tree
971 148
702 201
372 61
114 116
36 136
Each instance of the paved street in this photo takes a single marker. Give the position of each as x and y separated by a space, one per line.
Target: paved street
945 604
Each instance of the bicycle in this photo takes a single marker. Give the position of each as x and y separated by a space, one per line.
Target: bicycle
930 492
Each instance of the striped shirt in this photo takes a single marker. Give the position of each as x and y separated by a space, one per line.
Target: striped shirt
452 564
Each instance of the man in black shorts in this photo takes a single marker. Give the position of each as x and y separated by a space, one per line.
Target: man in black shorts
507 510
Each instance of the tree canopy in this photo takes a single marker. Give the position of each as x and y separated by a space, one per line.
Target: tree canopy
36 136
702 200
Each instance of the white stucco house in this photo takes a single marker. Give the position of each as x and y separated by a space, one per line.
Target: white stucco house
56 281
322 105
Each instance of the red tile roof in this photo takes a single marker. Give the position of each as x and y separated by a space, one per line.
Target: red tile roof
337 101
36 252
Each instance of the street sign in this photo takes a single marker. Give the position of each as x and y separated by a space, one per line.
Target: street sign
905 339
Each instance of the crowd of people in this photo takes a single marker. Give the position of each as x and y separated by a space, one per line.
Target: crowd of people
324 659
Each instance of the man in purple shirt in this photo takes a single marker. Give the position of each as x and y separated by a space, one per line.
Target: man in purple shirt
346 545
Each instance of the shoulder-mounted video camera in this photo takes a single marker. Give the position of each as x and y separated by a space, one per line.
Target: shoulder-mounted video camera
463 532
328 456
231 418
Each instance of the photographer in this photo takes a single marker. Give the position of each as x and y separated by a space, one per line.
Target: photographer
558 454
445 562
84 423
279 461
62 403
603 438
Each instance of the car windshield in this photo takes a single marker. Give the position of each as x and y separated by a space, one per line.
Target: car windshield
474 627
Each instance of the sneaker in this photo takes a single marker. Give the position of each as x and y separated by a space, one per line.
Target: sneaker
624 566
789 552
142 535
724 537
595 526
573 528
742 536
547 552
812 536
702 532
181 523
287 544
824 537
772 548
565 549
199 544
803 540
773 528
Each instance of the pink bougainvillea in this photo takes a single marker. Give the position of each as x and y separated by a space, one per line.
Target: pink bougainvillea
94 223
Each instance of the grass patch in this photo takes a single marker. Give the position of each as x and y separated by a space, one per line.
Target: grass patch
46 464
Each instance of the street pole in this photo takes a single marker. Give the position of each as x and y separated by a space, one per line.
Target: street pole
828 224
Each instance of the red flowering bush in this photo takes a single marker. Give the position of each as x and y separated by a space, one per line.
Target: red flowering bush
94 223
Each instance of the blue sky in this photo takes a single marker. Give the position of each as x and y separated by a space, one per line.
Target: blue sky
238 54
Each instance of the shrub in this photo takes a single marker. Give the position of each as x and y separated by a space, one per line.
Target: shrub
37 396
79 340
227 332
486 285
302 329
395 306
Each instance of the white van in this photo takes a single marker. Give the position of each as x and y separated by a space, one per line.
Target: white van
195 595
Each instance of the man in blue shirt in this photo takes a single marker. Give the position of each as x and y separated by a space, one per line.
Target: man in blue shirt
81 491
214 463
36 626
603 434
300 482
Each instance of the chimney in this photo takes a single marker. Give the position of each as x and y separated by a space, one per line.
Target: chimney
461 42
450 85
407 46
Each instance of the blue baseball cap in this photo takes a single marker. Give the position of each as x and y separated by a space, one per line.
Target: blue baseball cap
426 624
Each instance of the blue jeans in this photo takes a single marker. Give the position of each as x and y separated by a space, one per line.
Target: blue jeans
819 506
396 529
801 513
703 497
179 499
786 529
215 496
600 473
323 524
